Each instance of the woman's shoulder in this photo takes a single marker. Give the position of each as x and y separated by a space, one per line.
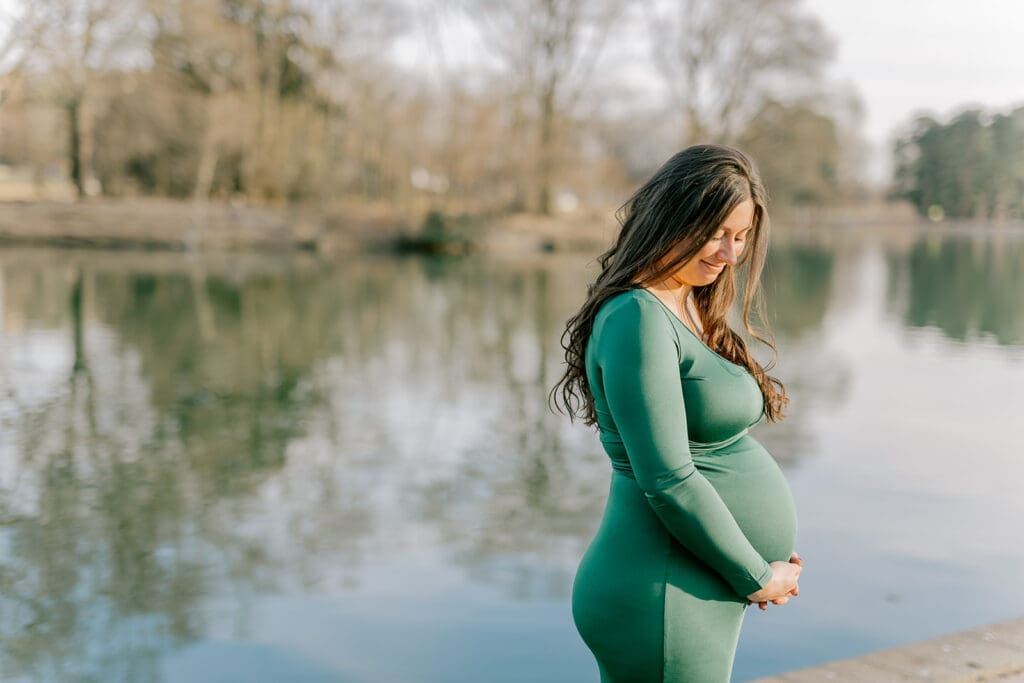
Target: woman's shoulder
636 301
623 305
631 311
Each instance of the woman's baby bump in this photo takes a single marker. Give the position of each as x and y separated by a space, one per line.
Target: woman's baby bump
754 489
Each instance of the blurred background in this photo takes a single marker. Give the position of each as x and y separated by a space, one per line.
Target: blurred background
282 285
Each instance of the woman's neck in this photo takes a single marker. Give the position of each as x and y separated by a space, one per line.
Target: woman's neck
678 292
675 288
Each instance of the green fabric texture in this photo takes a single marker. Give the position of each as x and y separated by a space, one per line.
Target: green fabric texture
697 508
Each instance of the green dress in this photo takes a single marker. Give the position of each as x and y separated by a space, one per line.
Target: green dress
697 507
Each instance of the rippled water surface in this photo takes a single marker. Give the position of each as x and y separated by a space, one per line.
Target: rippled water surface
239 468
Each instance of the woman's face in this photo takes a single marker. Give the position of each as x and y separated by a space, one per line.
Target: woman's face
724 247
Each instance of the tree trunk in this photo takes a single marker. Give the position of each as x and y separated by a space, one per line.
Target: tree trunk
73 108
519 168
207 158
545 158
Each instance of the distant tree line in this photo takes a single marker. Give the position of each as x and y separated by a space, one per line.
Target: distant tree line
969 168
298 100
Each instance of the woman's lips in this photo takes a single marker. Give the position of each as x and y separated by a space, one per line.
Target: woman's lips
713 267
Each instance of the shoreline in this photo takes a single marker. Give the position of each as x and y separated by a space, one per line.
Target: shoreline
994 652
180 226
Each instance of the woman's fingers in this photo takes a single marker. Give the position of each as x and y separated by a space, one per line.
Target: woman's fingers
799 561
763 604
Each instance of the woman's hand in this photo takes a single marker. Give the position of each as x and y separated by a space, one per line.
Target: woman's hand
782 585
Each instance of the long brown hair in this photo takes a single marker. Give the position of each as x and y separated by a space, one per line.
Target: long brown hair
680 207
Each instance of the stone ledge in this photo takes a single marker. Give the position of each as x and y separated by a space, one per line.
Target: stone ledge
989 653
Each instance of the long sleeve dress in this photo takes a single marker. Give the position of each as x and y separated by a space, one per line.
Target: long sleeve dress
696 510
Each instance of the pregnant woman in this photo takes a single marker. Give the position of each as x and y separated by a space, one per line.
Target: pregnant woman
699 522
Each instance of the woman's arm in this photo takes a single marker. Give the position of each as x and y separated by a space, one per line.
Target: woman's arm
639 361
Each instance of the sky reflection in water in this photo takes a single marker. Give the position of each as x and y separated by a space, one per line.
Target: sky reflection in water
226 468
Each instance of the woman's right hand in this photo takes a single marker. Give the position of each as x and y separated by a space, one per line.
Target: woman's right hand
782 584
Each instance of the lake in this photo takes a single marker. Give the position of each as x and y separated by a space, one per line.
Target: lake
269 467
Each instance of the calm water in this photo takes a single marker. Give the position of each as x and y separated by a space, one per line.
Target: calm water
255 468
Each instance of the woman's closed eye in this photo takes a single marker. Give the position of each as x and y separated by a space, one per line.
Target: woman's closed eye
739 239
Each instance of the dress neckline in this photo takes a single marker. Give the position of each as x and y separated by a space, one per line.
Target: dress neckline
674 315
687 328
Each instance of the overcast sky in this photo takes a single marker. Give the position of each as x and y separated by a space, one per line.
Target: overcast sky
905 56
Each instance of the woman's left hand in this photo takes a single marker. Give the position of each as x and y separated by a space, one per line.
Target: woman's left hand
795 559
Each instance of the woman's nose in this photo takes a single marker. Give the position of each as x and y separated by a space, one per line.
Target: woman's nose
727 252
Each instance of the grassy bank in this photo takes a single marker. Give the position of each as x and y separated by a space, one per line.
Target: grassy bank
160 224
174 225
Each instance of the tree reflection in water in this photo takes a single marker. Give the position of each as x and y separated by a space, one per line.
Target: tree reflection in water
184 435
969 287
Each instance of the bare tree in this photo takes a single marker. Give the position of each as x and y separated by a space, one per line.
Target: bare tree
363 96
549 49
723 59
251 67
67 43
194 44
307 100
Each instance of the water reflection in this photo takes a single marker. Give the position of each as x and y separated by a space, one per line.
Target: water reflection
798 286
210 433
182 437
110 480
797 282
969 288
